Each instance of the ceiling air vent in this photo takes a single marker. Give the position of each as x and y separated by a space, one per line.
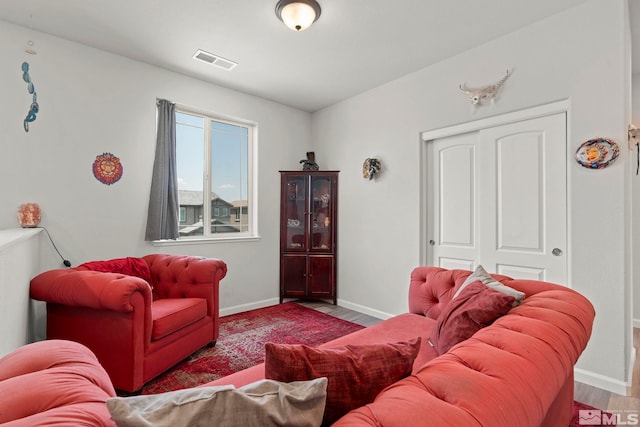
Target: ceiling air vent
212 59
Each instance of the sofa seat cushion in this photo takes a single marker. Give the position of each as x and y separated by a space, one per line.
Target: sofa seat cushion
403 327
172 314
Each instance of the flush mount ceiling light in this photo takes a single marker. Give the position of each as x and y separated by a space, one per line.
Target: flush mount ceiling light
298 14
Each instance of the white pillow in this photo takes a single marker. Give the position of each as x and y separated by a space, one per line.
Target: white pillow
263 403
481 274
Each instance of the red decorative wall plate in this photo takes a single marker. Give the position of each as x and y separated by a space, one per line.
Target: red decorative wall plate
107 168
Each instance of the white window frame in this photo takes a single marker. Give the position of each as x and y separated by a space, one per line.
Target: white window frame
252 182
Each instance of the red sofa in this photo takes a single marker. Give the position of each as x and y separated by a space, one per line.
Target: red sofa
137 328
516 372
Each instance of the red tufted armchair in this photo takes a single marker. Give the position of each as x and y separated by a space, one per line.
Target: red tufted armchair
137 328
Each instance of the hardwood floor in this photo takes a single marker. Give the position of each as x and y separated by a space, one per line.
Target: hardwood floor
341 312
596 397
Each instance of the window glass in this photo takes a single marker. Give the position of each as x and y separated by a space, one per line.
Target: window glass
213 157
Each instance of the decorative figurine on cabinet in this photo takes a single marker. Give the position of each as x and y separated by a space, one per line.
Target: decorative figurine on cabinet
310 163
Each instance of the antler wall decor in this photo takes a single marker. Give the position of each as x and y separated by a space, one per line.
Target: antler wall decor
484 94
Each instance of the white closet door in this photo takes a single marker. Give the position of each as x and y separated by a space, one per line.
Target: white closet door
452 201
497 197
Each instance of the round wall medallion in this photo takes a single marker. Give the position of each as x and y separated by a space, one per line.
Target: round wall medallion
597 153
107 168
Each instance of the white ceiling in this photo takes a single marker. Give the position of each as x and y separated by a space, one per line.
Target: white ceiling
354 46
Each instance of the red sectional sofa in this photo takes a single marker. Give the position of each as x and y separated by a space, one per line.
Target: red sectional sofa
516 372
139 321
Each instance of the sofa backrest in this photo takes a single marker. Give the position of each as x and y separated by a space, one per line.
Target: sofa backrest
174 276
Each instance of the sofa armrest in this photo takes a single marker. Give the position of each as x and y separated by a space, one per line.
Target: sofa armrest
54 382
90 289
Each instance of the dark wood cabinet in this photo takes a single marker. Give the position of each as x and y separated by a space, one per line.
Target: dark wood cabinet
308 224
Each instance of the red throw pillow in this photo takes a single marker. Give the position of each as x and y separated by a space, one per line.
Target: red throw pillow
355 373
130 266
477 306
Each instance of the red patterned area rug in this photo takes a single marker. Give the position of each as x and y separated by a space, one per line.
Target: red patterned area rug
242 339
585 415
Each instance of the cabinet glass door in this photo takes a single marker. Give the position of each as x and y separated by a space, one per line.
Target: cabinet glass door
296 192
321 213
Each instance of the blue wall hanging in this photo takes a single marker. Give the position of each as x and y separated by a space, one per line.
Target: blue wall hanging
34 108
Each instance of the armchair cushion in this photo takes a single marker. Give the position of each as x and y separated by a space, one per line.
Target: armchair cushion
130 266
170 315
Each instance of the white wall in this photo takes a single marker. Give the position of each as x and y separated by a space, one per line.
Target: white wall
93 102
563 57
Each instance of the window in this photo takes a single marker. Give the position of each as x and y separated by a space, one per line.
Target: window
214 158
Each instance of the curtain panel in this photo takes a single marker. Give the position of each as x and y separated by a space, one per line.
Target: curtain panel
164 210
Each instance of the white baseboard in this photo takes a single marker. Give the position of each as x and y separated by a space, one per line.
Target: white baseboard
362 309
601 381
607 383
246 307
636 323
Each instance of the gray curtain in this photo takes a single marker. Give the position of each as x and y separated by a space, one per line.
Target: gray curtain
163 215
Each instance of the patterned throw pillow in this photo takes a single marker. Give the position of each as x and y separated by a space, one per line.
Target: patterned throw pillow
477 306
355 373
130 266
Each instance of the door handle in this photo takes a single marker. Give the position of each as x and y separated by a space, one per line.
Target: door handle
432 242
556 252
